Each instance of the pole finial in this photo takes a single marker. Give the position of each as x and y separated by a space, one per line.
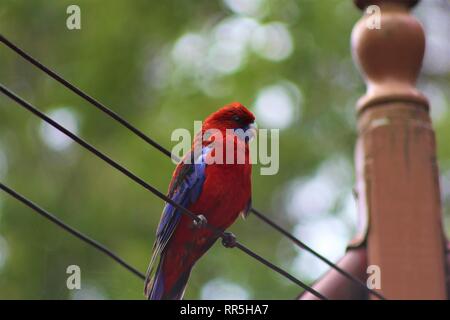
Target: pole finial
397 177
389 52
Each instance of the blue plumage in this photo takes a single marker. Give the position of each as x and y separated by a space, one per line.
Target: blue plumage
185 190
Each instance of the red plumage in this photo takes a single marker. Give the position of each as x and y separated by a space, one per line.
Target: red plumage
225 192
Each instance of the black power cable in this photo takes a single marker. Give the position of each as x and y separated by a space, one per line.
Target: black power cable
166 152
72 230
220 233
163 150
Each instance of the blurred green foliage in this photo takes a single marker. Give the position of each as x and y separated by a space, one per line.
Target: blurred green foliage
112 58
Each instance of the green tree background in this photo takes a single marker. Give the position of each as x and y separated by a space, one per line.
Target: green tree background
162 65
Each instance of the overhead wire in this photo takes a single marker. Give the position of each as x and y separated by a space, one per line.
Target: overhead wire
228 239
166 152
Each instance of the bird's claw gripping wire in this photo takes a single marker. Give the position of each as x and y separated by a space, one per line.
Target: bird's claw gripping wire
229 240
200 222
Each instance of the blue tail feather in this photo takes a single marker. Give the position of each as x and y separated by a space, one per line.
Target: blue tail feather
156 290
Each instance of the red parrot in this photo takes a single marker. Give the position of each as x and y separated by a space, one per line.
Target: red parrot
217 191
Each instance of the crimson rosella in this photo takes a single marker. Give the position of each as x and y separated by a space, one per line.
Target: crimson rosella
212 187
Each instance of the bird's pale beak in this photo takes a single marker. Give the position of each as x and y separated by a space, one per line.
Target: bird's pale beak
252 131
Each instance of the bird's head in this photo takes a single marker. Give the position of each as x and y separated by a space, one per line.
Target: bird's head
232 116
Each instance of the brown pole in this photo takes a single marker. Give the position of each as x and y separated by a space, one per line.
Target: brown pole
397 173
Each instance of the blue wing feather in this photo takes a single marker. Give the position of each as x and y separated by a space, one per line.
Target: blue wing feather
185 189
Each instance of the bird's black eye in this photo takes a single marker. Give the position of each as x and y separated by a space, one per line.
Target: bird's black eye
236 118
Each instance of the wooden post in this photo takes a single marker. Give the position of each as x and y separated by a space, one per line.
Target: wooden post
397 173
